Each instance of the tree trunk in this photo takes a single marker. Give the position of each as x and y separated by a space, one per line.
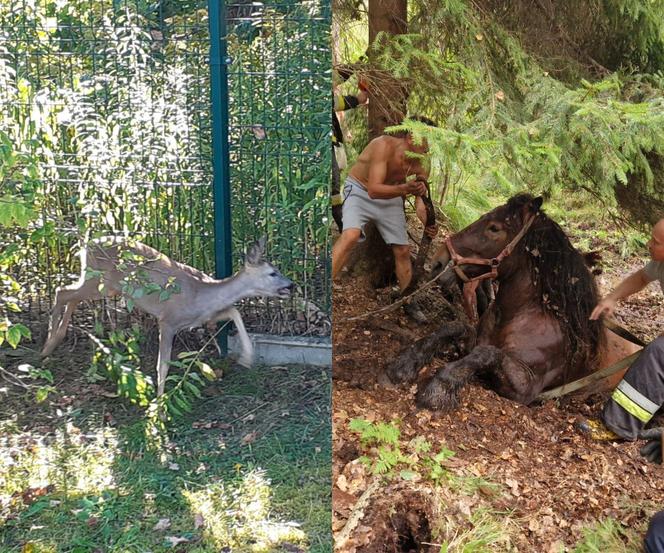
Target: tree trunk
387 96
387 106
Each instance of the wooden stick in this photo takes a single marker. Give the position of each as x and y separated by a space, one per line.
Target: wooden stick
357 514
396 304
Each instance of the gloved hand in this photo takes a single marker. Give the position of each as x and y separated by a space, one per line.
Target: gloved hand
653 449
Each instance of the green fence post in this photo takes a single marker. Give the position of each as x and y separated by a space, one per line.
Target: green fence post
221 186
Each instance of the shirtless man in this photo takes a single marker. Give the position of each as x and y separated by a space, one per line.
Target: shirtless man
374 191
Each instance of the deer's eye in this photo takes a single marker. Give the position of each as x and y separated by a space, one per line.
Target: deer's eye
494 228
273 274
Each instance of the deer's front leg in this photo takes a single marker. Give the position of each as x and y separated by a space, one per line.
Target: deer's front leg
247 356
166 335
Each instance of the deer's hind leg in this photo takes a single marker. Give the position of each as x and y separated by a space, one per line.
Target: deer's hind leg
66 300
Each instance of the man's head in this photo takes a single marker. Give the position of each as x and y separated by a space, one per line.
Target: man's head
656 242
421 146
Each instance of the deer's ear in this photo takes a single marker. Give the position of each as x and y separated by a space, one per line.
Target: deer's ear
255 254
261 243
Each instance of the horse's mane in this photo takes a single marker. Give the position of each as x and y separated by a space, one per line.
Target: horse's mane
564 284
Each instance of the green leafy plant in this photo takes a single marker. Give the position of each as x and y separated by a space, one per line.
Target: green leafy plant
186 388
387 454
118 359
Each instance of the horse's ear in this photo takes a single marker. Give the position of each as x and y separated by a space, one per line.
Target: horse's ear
535 204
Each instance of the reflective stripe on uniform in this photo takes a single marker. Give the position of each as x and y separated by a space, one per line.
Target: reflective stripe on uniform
637 397
630 406
337 199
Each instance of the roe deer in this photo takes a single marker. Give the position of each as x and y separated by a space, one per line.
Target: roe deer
179 296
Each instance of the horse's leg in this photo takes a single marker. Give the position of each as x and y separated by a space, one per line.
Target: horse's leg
405 367
441 391
515 380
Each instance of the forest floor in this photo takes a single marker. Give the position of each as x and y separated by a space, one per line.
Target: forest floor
494 475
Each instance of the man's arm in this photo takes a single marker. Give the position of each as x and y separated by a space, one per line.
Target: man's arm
631 285
344 103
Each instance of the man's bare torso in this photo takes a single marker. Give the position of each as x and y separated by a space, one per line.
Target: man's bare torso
392 151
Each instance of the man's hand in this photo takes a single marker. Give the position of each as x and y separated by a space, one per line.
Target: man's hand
362 96
605 307
431 231
653 449
415 187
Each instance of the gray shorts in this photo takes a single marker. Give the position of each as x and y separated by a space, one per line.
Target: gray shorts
388 215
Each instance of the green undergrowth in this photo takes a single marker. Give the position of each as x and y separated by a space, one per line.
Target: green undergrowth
609 536
247 470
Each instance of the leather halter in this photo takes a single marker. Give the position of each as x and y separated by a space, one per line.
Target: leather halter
458 260
470 284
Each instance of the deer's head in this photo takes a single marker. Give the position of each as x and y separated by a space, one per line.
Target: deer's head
266 278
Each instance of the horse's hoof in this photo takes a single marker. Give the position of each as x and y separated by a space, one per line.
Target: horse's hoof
436 396
415 313
401 371
384 381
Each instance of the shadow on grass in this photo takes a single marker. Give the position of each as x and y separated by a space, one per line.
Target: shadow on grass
248 470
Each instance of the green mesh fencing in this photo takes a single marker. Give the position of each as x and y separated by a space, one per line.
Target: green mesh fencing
105 109
279 84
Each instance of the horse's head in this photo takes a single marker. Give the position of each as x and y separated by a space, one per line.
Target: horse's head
488 239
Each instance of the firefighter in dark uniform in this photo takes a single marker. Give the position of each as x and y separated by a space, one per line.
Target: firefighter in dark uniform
341 103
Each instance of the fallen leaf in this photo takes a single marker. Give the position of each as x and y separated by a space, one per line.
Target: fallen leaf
342 502
175 540
31 494
199 521
533 525
163 524
259 131
93 521
173 466
249 438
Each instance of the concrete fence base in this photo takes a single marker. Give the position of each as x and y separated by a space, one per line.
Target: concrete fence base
284 350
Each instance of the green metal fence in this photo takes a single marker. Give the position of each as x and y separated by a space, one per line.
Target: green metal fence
279 83
107 103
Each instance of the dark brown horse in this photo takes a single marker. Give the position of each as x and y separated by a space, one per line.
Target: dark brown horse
536 334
